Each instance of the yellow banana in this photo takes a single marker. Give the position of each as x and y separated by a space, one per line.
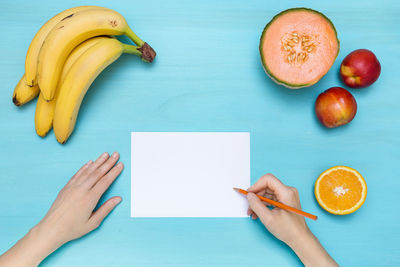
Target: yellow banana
73 30
24 93
37 42
78 80
44 113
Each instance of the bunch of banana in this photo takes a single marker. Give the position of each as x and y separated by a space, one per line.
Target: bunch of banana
65 57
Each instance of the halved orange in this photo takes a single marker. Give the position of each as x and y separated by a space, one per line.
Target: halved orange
340 190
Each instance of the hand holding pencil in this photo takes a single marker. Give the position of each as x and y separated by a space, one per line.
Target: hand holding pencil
279 205
283 224
286 225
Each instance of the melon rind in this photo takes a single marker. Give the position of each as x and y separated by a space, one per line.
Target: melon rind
268 72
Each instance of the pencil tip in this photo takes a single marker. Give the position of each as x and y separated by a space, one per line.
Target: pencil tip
236 189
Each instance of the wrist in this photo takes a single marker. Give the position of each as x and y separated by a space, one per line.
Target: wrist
306 247
310 251
29 251
43 241
302 239
47 234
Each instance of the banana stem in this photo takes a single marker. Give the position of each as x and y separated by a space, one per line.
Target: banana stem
131 49
143 49
134 37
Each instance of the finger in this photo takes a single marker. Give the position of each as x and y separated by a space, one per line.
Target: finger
102 212
92 167
101 170
104 183
259 208
271 183
264 182
269 191
252 214
293 198
261 192
270 196
80 171
249 211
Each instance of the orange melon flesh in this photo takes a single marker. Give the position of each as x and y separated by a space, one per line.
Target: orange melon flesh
277 44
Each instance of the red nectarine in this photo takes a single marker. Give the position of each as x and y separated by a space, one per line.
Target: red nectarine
360 68
335 107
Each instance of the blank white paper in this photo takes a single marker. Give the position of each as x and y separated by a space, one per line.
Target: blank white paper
189 174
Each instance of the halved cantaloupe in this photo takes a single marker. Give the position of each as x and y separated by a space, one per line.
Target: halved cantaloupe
298 47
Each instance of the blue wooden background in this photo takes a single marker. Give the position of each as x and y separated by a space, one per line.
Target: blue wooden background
208 77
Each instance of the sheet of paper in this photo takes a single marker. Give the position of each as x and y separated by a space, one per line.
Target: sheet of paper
189 174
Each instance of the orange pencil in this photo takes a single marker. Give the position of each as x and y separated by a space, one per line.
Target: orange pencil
279 205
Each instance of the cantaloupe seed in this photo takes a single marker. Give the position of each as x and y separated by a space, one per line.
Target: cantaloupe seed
296 51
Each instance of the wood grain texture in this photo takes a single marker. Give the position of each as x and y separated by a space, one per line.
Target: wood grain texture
207 77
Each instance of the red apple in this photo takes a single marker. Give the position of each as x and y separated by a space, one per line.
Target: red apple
360 68
335 107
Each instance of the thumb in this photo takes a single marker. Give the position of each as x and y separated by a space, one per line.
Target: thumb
99 215
259 208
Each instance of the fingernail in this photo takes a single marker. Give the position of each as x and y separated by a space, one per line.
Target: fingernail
118 200
114 155
105 155
120 165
